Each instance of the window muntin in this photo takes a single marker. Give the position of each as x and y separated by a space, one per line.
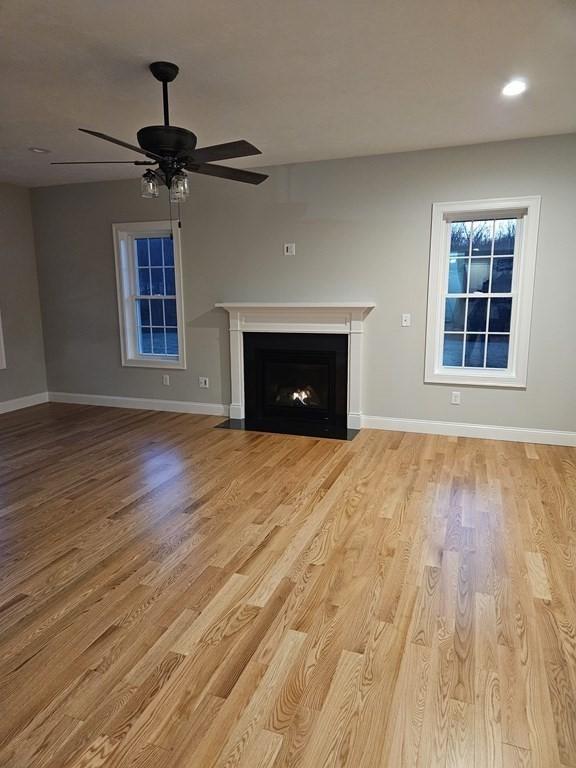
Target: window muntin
478 297
480 291
149 282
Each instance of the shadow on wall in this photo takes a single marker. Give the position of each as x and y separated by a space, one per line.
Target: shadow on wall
217 319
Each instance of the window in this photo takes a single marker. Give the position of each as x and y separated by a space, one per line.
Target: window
482 262
149 275
2 348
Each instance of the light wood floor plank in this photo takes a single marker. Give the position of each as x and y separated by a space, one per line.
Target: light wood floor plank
174 595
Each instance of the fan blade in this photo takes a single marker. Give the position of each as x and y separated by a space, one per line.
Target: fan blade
227 151
223 172
105 162
120 143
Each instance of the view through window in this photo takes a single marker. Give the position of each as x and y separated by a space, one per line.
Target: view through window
478 301
156 311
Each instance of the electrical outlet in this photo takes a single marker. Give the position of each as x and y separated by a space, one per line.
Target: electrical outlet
166 380
455 398
406 320
204 382
289 249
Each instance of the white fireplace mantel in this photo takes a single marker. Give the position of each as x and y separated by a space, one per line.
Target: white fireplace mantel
298 317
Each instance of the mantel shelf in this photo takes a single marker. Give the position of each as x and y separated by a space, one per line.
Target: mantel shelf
368 305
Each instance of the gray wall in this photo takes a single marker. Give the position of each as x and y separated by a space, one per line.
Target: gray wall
362 230
19 303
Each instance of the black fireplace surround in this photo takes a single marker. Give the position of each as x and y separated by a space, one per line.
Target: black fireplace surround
296 383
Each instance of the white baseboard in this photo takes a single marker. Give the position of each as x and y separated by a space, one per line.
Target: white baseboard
423 426
486 431
23 402
141 403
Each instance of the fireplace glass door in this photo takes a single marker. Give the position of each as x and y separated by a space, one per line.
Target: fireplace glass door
296 382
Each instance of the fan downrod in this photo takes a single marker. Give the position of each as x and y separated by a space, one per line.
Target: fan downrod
164 71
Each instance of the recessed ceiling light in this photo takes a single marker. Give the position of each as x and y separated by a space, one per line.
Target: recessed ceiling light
514 88
39 150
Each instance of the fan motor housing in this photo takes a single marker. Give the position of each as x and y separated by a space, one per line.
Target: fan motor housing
167 140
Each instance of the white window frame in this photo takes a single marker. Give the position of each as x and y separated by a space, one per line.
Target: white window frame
527 209
125 259
2 347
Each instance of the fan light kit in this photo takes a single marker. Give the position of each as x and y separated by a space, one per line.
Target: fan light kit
173 151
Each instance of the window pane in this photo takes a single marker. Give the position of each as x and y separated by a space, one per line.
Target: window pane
474 356
460 238
455 314
497 355
157 281
145 341
458 276
500 312
477 309
144 311
502 275
168 252
170 281
453 344
158 341
172 341
157 312
479 276
144 282
504 236
170 312
142 252
155 251
482 238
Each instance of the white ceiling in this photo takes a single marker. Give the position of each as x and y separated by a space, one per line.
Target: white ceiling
302 79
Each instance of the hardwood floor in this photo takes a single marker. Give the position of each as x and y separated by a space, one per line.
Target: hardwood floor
178 596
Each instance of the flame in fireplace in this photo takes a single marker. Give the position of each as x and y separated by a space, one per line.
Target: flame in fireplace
298 396
301 395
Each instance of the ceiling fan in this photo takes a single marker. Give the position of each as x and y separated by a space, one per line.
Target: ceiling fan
173 150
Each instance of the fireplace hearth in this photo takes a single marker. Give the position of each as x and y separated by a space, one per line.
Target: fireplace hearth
296 383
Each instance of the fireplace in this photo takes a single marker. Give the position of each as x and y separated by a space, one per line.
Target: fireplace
296 383
302 322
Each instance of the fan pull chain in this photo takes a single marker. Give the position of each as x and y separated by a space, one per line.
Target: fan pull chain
170 217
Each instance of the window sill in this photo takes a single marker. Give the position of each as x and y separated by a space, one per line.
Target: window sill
154 362
473 378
